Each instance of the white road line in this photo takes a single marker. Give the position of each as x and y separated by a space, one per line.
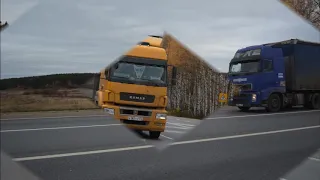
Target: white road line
150 146
181 124
54 128
245 135
271 114
166 137
315 159
178 127
54 117
82 153
178 132
181 120
106 115
74 127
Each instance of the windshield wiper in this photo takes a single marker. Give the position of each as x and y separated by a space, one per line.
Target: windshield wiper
121 77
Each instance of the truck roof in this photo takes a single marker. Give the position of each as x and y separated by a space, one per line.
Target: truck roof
274 44
147 52
153 40
293 41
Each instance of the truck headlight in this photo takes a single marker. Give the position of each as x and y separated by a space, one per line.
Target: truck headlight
254 97
109 111
161 116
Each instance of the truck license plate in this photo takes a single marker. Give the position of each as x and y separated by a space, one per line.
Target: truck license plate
239 105
135 118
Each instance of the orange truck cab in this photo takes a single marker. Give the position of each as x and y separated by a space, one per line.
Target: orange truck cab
133 89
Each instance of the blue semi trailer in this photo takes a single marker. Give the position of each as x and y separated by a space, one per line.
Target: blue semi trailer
276 76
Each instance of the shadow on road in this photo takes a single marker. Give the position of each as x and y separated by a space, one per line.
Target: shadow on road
142 134
262 110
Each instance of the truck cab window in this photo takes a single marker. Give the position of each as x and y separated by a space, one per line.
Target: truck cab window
267 66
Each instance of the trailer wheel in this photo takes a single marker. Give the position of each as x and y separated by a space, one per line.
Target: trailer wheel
244 108
308 101
274 103
154 134
315 101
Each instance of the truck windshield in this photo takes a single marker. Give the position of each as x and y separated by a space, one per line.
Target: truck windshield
139 73
244 67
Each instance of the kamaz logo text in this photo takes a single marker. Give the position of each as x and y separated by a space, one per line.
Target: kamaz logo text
240 80
137 97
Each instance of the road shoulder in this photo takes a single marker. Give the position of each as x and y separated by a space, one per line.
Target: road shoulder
46 114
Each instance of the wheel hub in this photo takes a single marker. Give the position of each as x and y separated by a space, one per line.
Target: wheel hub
274 103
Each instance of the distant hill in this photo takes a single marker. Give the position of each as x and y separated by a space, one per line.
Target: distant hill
49 81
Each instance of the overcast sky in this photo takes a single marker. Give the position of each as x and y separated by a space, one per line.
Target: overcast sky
62 36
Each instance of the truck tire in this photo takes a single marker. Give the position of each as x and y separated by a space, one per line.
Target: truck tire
154 134
315 101
308 101
244 108
287 106
274 103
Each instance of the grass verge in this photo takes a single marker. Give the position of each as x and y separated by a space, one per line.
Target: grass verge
44 100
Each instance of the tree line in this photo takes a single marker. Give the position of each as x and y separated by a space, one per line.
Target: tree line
47 81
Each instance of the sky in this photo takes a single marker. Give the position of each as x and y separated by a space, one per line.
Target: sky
58 36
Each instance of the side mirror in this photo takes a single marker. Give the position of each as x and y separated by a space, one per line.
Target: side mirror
106 74
96 82
174 75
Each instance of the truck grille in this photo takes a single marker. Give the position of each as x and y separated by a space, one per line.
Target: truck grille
241 87
241 99
145 98
135 112
134 122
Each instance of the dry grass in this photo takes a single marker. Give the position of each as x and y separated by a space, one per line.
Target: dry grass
44 100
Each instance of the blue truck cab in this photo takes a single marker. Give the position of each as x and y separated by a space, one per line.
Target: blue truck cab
276 75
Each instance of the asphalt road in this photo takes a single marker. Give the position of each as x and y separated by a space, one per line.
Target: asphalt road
228 145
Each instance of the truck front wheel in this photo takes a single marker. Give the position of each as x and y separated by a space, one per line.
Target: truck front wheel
274 103
315 101
154 134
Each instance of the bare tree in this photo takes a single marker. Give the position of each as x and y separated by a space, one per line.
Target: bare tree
198 84
308 9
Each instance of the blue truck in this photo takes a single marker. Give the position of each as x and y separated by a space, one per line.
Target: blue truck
276 76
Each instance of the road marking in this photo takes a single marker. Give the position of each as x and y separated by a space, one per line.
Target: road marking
178 127
82 153
271 114
74 127
54 128
170 131
181 124
315 159
245 135
172 144
54 117
181 120
166 137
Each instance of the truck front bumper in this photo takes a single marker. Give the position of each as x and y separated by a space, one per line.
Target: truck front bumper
138 118
244 100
